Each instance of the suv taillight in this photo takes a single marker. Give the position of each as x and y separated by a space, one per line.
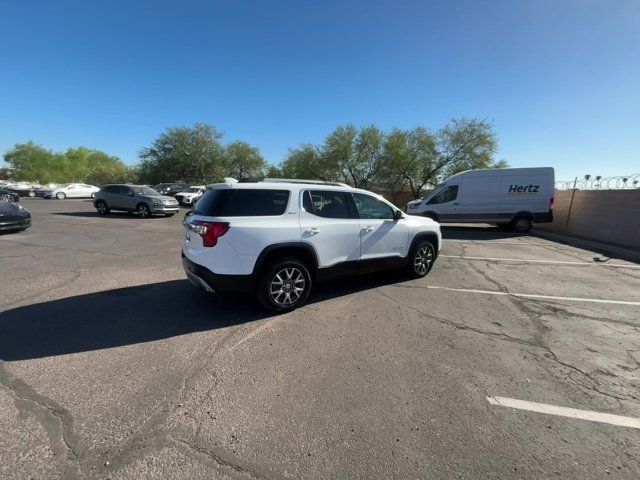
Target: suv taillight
551 203
210 231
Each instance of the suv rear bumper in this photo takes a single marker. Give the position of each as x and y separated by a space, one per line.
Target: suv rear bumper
215 282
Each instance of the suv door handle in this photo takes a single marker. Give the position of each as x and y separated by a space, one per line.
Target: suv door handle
456 203
312 230
367 229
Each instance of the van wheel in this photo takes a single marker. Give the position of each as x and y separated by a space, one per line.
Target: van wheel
421 259
522 224
284 285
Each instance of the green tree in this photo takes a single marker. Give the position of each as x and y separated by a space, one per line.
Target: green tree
189 154
306 162
274 171
103 169
242 160
35 163
6 173
353 155
424 159
30 162
465 144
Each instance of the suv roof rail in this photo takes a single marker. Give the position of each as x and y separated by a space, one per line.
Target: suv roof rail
312 182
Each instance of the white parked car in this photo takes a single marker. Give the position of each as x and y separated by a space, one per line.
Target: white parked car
515 197
191 195
71 190
275 238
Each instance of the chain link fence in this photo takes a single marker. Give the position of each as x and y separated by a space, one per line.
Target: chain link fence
624 182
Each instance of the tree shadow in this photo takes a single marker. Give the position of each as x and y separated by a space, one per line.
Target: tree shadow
139 314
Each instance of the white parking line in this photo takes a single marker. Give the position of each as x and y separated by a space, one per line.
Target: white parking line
525 295
550 262
545 408
491 242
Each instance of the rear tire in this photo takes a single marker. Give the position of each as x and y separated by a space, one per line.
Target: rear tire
284 285
521 224
421 259
102 208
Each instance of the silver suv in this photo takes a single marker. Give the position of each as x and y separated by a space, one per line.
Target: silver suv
134 198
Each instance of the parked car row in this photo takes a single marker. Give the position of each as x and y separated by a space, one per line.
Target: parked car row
52 190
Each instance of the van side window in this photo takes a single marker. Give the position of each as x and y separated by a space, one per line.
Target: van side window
447 195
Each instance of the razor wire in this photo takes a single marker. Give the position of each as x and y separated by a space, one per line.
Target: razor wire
623 182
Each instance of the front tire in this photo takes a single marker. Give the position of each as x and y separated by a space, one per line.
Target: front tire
32 193
143 211
60 196
421 259
102 208
284 285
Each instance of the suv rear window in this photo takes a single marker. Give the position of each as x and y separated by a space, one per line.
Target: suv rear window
242 203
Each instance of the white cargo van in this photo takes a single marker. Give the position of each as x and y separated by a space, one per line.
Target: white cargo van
516 197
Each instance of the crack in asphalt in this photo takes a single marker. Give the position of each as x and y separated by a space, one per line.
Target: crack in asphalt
151 433
539 341
221 459
55 419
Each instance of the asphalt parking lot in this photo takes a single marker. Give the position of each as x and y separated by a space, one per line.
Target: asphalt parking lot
113 366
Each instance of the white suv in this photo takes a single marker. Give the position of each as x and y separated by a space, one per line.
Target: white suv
276 237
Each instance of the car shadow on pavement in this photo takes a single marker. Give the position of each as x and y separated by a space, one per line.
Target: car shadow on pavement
116 215
140 314
478 233
115 318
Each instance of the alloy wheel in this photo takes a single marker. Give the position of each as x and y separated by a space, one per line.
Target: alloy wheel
143 211
287 286
422 260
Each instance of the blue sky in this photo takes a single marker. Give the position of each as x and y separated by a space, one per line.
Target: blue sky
559 79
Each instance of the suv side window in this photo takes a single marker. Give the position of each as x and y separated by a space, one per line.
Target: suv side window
446 195
327 203
123 190
372 208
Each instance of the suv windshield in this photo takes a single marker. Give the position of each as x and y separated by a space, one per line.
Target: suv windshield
193 189
145 191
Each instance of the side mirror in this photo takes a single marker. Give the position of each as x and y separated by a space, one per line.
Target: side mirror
397 215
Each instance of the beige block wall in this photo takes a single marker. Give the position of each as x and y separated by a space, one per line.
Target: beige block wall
610 216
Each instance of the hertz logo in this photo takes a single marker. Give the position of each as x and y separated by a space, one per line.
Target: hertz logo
524 188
